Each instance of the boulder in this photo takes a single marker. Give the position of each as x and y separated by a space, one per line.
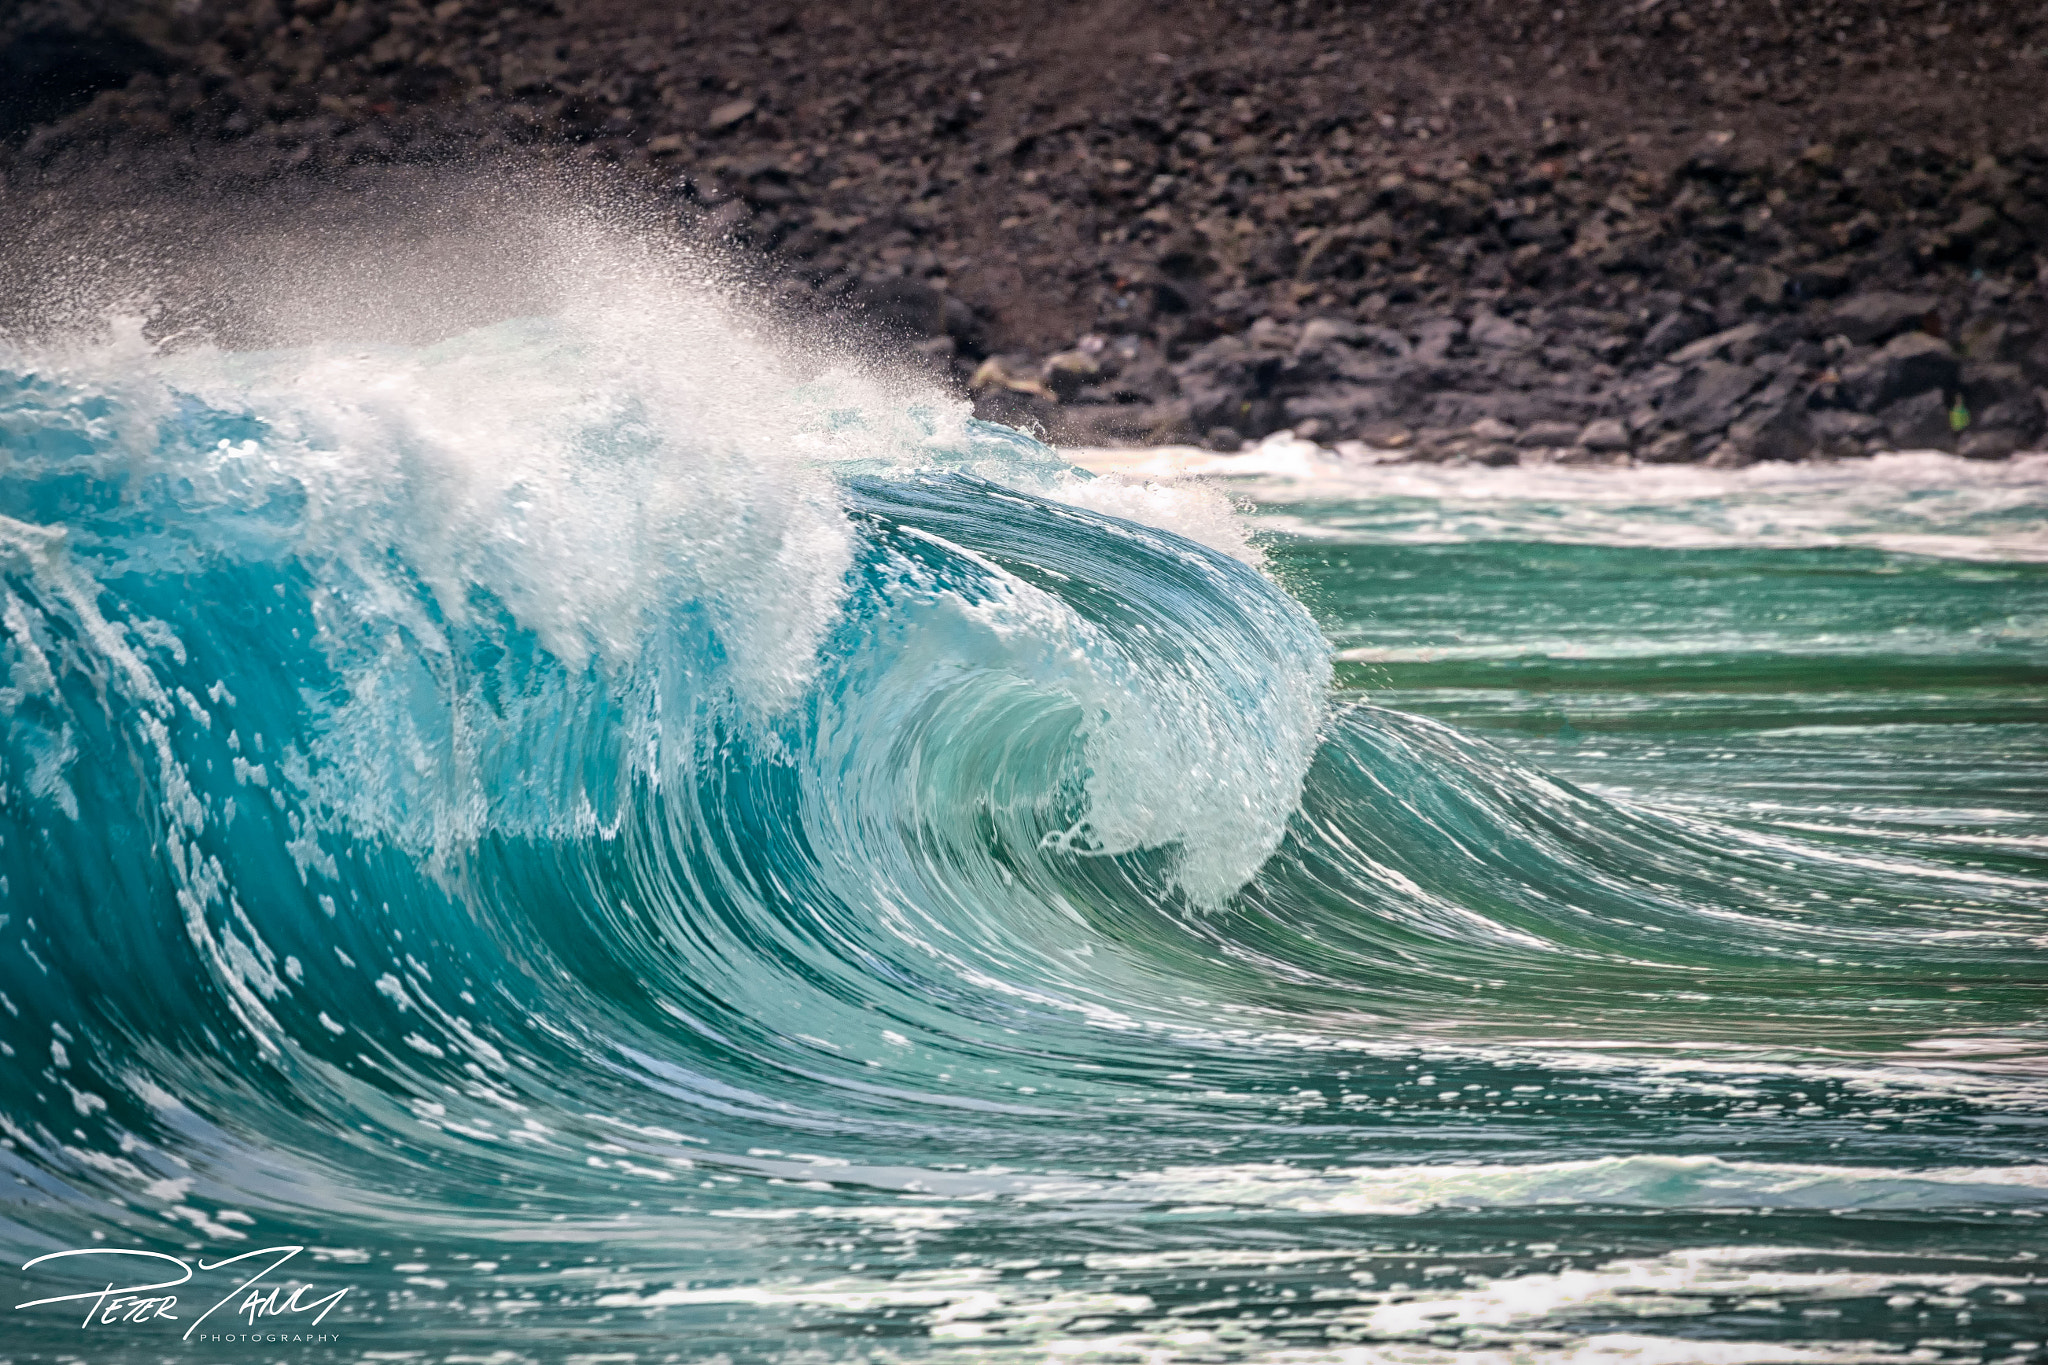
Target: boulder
1760 288
1068 372
1678 329
1345 409
1387 340
1434 337
1710 396
1229 383
1878 315
1541 434
1774 430
1987 445
728 115
1115 423
1673 447
2023 416
1607 433
1983 337
1736 343
1492 330
1919 422
1986 385
1837 431
1904 367
1318 333
1007 374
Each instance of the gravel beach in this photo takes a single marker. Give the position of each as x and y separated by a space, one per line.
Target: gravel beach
1652 231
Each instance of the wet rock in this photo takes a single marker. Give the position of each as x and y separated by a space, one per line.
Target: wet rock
1710 396
1668 449
1905 366
1986 385
1492 429
1028 409
1878 316
1228 384
1839 432
1068 372
1008 374
1605 434
1919 422
1775 428
1346 410
2024 414
1988 445
1578 455
1386 435
1552 434
1102 424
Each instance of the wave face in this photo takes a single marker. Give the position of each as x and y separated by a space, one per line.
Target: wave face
635 850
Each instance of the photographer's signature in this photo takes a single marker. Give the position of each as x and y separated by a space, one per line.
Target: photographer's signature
119 1304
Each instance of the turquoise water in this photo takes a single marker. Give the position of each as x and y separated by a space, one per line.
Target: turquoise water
627 847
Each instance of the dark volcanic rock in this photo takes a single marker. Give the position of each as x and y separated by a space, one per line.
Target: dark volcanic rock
1710 396
1835 431
1905 367
1920 422
1676 330
1988 445
1868 319
1676 237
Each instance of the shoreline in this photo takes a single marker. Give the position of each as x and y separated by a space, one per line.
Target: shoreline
1283 453
1763 234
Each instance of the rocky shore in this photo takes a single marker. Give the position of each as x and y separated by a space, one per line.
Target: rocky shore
1651 230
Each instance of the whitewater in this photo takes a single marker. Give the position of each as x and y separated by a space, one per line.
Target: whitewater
630 833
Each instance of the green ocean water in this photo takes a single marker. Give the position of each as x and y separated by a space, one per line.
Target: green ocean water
623 866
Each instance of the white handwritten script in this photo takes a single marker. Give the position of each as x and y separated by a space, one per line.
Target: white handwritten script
117 1304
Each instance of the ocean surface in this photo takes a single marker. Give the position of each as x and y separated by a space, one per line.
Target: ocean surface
627 846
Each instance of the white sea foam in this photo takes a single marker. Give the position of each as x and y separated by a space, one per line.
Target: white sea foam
1921 503
1533 1318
